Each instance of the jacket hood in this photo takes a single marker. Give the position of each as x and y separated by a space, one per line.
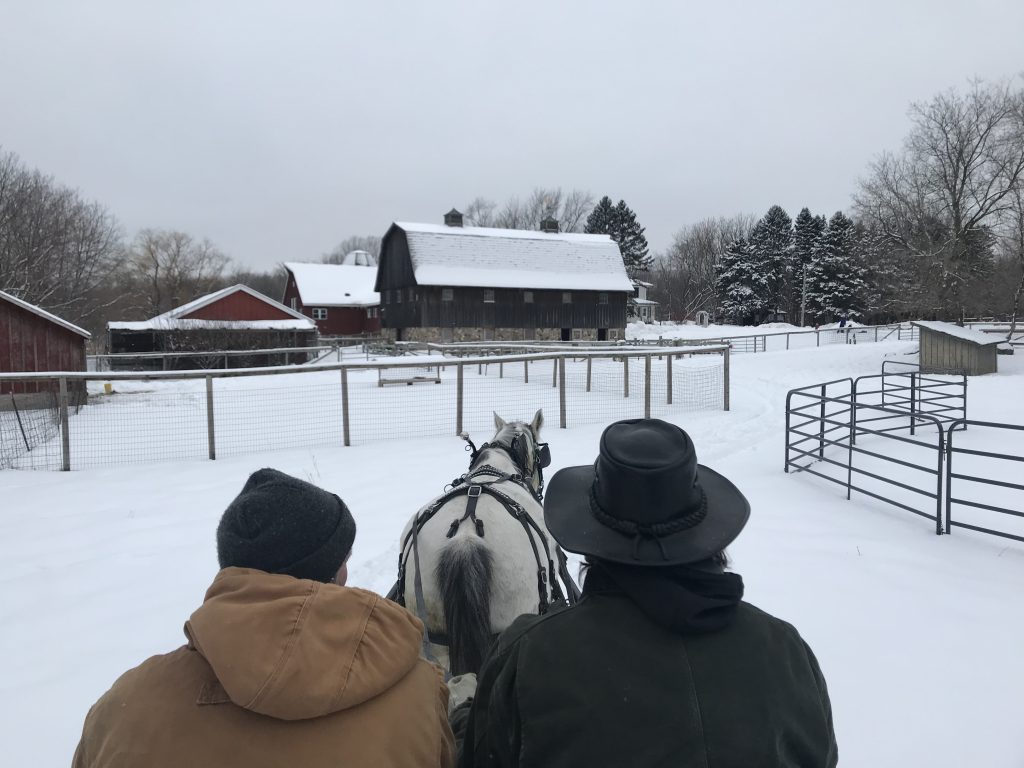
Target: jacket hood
294 649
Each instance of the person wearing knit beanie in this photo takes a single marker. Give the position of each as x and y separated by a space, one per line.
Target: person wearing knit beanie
281 524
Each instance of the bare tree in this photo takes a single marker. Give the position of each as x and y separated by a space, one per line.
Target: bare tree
570 210
369 243
940 199
169 268
480 213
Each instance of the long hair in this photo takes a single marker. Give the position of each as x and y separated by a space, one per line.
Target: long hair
463 575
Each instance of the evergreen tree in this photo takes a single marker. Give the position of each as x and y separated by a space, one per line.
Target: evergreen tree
771 245
836 287
619 222
806 231
739 284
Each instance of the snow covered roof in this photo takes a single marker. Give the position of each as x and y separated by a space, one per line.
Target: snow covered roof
642 302
514 258
44 314
966 334
360 259
174 319
334 285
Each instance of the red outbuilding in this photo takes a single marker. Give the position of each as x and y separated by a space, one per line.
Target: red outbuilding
339 298
32 339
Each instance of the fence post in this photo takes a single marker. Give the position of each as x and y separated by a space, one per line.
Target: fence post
647 387
787 342
561 392
913 402
554 373
458 400
501 370
344 407
668 381
821 427
210 440
817 338
876 334
725 378
625 376
526 371
590 361
65 438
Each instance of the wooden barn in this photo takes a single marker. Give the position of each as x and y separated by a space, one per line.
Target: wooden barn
32 339
339 298
949 347
235 318
454 283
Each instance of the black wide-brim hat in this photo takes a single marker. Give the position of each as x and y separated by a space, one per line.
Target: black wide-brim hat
645 500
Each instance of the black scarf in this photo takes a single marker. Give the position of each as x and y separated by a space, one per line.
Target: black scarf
682 599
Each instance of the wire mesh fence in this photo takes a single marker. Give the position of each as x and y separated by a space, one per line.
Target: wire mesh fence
135 418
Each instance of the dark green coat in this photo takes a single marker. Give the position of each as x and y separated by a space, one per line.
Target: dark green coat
600 684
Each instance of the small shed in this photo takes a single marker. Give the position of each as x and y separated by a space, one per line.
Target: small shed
236 318
32 339
949 347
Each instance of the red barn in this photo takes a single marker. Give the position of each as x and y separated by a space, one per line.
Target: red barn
32 339
235 318
339 298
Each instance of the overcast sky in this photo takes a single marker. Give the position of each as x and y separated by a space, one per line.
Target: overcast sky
277 129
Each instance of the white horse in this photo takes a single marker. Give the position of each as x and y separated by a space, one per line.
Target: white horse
484 554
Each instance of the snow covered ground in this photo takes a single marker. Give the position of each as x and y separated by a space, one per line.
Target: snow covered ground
919 636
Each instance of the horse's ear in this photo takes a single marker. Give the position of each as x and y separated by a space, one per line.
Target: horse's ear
538 421
499 423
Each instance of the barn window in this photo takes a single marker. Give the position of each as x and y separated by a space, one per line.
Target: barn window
567 297
412 294
602 298
488 295
447 294
319 313
398 295
577 334
295 303
527 297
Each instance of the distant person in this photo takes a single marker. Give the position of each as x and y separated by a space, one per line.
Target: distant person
284 665
842 322
661 663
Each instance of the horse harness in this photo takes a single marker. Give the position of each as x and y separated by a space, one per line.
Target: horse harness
470 485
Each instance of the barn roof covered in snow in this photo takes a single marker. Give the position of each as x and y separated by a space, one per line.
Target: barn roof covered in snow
958 332
44 314
178 318
513 258
335 285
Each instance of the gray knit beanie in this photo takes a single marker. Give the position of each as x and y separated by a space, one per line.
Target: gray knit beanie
280 524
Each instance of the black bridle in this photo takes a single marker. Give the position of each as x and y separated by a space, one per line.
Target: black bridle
529 463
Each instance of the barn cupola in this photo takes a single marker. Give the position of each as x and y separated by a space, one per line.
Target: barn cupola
549 224
453 218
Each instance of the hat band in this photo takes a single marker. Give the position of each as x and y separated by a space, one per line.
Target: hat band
650 530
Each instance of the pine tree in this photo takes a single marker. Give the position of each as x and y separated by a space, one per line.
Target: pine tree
836 287
619 222
740 290
806 231
771 245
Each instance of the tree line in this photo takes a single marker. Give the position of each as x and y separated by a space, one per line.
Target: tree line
936 230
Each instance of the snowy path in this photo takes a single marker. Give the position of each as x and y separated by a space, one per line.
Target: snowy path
919 636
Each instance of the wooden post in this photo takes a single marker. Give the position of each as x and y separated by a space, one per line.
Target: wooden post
211 442
725 377
458 400
501 370
625 376
526 371
668 380
647 387
344 407
554 373
590 362
817 338
65 438
561 392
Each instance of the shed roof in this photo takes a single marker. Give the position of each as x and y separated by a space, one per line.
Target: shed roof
44 314
514 258
174 319
964 334
334 285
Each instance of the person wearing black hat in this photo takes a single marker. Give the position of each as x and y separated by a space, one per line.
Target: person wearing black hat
660 662
284 664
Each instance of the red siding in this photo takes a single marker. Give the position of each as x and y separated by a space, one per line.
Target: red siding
238 306
29 342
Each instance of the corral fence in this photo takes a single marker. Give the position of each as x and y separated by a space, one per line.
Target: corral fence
141 417
205 359
890 436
